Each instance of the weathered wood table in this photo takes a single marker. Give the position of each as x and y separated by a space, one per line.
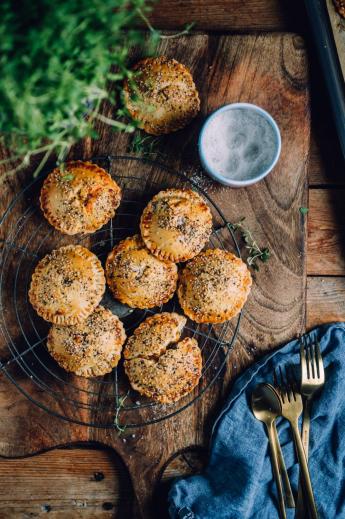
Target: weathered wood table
89 480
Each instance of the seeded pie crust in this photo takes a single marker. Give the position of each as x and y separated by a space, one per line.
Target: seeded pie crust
214 286
164 97
176 224
137 278
157 365
80 199
67 285
90 348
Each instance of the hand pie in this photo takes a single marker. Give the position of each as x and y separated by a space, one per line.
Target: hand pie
67 285
90 348
154 335
80 199
164 97
137 278
176 224
214 286
157 365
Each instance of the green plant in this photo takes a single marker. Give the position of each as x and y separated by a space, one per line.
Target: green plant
304 210
255 253
57 58
120 404
145 145
157 35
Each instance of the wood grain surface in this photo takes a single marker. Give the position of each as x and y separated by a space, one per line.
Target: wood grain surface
326 225
79 482
270 70
220 15
22 424
326 300
39 485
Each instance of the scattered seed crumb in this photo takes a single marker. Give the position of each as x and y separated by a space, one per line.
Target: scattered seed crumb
200 179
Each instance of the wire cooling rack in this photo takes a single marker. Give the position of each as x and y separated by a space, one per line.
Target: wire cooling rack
108 401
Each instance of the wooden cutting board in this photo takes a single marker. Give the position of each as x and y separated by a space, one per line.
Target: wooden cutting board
271 71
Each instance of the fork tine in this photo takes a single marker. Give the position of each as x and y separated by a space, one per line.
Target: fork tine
286 384
307 352
304 370
291 380
319 361
277 383
313 360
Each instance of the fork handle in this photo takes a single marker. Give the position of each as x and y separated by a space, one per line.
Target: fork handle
306 426
275 470
290 502
304 470
300 513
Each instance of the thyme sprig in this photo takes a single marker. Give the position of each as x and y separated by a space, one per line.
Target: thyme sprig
255 253
144 145
120 405
157 35
304 210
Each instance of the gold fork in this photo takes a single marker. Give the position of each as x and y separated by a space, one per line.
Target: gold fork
292 407
312 379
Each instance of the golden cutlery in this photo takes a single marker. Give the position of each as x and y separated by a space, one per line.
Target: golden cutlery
292 407
289 499
266 408
312 379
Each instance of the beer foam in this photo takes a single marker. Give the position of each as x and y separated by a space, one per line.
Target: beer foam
239 143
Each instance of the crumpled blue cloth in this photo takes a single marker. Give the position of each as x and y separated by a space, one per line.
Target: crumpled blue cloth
238 481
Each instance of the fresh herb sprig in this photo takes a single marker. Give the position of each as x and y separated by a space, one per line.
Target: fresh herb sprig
57 62
119 406
158 35
304 210
255 253
145 145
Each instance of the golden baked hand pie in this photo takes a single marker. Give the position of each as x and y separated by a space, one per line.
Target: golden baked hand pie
176 224
90 348
80 199
154 335
164 97
157 365
137 278
214 286
67 285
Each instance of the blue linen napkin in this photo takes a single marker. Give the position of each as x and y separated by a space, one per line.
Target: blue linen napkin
238 481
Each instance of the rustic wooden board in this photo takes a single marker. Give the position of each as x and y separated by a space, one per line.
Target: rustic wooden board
326 224
220 15
325 300
79 482
270 70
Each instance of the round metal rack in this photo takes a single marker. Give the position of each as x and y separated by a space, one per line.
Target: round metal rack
107 401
